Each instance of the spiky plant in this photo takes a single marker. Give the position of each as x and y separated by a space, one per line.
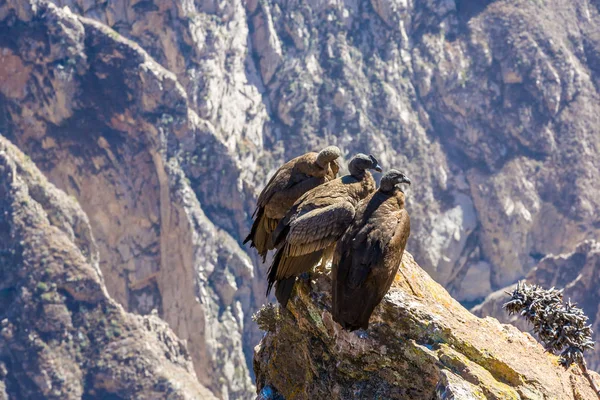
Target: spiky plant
561 327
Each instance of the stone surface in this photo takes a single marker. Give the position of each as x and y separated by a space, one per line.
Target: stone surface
164 118
61 335
104 121
578 272
490 107
421 344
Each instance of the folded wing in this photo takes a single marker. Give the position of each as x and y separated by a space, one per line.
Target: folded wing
308 236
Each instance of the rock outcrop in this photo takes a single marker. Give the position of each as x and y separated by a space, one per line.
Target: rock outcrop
421 344
164 119
61 335
578 273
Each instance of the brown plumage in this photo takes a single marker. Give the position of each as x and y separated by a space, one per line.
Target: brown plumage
289 182
315 222
368 256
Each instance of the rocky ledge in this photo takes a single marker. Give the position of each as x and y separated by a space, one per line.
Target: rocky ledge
421 344
577 272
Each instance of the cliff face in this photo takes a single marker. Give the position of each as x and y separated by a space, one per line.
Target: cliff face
421 344
165 117
491 107
109 125
61 335
578 272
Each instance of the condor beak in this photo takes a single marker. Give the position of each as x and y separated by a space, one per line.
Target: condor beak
376 166
405 180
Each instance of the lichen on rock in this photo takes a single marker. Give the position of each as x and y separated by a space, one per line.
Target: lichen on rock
421 344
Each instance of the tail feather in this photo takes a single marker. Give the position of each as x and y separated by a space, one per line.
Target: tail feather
280 232
359 322
269 225
327 256
351 321
272 273
353 310
283 290
287 268
294 266
260 233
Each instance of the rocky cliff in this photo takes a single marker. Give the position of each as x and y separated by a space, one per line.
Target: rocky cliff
164 118
491 106
578 272
421 344
61 335
112 128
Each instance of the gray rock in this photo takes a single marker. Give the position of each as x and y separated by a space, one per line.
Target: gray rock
61 335
491 108
421 344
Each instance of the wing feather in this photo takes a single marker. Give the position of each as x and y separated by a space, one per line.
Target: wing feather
282 200
310 235
319 228
279 181
397 244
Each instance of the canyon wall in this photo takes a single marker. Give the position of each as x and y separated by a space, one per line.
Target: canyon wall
165 118
61 335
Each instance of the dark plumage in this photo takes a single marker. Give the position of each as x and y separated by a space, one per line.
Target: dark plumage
367 257
289 182
316 221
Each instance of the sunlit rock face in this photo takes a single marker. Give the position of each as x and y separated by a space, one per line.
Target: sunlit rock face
577 272
421 344
105 123
164 119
